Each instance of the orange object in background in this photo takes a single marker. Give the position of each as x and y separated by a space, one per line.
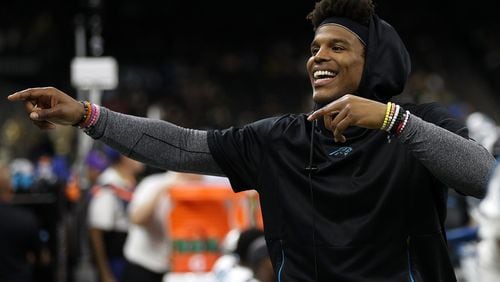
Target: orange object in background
200 218
72 190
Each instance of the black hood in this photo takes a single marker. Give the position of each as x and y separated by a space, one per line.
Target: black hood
387 63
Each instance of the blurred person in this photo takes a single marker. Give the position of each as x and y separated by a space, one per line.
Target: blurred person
228 259
259 260
485 131
243 247
107 214
147 248
78 193
20 244
246 262
23 175
95 163
488 216
355 190
50 170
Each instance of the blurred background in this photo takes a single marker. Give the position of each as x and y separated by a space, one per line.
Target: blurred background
213 64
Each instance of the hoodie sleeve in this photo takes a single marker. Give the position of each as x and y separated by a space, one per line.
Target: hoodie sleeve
441 143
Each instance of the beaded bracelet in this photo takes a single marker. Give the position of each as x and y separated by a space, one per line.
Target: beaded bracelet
89 112
395 117
94 117
90 116
386 117
85 111
402 125
399 121
391 115
398 118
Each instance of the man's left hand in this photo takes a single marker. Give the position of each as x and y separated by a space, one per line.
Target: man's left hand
350 110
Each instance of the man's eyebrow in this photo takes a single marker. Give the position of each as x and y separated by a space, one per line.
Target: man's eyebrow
340 40
334 40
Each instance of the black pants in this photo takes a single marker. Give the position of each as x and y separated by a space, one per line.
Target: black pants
137 273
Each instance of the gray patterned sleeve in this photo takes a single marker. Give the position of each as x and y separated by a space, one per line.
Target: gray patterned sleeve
459 163
155 142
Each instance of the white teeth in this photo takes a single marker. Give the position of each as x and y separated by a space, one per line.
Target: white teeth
323 73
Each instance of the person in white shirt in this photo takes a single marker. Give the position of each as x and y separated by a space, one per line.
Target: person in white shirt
107 215
147 248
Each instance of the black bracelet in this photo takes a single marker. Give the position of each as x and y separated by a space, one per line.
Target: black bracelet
399 119
84 117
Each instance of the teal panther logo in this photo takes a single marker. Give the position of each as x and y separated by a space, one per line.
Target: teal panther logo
341 152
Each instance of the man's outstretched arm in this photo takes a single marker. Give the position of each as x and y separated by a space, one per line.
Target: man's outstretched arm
153 142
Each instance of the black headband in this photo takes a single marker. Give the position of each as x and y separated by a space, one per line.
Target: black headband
358 29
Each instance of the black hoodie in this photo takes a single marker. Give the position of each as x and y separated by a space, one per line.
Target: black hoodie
387 63
369 211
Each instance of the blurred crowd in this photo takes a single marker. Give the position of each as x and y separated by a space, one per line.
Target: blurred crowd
116 222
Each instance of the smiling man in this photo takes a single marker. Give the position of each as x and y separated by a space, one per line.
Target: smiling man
354 191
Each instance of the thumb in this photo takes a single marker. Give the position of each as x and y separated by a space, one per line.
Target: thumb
44 114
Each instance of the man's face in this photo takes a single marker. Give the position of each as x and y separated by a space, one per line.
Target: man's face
336 63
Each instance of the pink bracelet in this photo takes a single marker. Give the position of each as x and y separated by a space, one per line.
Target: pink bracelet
94 116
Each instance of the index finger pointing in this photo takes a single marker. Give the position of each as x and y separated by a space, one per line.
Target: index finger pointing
316 114
27 94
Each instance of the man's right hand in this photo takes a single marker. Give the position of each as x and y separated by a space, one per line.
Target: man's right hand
48 106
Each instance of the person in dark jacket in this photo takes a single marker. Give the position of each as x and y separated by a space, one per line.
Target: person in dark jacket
20 245
353 191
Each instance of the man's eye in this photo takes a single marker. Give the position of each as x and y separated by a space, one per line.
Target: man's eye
337 48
